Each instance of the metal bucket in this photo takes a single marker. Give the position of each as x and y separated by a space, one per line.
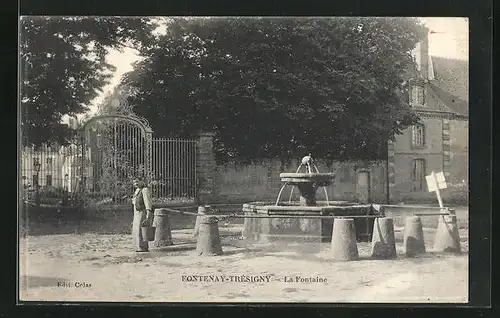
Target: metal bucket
148 232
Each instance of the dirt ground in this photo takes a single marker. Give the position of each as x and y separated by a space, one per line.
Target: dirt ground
103 267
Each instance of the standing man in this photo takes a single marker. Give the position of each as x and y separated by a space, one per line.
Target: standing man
143 215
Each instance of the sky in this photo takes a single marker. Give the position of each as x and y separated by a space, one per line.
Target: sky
449 39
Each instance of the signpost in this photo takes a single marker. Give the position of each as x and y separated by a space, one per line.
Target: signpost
447 235
436 182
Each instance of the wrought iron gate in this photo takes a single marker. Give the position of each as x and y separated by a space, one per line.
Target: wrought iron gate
115 148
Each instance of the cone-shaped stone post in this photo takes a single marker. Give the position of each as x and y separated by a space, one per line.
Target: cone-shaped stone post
248 226
383 240
413 240
201 211
344 246
447 237
208 243
163 233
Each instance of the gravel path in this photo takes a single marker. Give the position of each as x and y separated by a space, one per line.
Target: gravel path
96 267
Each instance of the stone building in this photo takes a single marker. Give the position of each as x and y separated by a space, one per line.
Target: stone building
439 142
58 166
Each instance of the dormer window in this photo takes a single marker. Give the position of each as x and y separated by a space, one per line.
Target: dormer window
417 96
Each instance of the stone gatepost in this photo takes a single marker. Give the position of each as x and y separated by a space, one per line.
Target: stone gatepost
391 172
206 168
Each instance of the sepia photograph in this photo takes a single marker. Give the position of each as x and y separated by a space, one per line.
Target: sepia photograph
177 159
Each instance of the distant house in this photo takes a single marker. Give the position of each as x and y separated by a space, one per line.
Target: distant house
439 142
58 167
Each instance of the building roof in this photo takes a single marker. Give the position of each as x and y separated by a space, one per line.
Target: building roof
451 83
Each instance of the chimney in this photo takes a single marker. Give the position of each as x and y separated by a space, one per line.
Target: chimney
73 123
424 57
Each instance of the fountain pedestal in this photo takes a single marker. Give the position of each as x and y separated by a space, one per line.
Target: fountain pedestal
307 194
307 183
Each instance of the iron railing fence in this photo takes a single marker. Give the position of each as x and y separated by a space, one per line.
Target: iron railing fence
173 169
52 172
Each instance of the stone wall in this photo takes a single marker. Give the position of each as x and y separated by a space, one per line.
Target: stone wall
260 181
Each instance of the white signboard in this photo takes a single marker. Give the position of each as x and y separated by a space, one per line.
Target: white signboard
436 181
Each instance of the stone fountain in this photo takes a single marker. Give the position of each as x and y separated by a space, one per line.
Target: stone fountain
303 229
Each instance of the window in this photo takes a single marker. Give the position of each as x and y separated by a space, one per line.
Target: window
36 161
48 180
418 135
418 175
35 179
417 96
49 163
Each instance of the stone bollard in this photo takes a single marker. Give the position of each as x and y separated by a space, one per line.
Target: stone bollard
447 237
208 243
201 211
383 240
163 233
413 240
247 231
344 246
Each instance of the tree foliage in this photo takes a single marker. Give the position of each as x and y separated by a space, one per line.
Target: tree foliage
63 67
280 87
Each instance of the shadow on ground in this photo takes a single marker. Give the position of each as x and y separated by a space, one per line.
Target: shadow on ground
104 223
319 252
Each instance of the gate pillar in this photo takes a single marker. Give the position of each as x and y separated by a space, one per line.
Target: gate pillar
206 169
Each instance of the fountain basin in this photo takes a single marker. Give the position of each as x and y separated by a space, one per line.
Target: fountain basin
320 179
303 229
307 183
